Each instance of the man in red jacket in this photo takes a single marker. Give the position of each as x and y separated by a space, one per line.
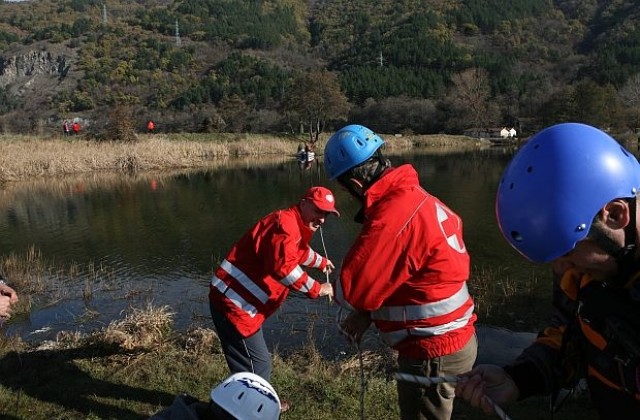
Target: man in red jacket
406 271
256 276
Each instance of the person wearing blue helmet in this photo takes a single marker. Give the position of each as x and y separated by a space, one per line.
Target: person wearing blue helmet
406 271
569 197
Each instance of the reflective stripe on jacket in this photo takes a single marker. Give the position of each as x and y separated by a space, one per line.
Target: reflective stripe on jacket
408 268
255 277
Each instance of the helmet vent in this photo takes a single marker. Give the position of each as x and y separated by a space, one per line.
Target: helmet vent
529 169
516 236
511 186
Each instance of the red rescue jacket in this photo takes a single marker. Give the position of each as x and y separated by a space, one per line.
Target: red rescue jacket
256 276
408 268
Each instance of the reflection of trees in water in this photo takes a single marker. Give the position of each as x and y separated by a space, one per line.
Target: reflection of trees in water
151 224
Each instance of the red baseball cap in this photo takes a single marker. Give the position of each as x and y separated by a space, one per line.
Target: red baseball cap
322 198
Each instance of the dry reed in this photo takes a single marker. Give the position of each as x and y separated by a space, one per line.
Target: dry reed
23 157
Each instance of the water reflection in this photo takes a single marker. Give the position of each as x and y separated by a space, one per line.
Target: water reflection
157 237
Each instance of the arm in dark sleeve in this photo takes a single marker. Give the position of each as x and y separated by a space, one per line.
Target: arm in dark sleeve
539 369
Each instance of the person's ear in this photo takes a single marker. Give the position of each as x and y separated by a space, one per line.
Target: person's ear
616 214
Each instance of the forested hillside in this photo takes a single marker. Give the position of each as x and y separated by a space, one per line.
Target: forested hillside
422 66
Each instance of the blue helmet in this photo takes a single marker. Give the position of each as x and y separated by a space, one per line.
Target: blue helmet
349 147
557 183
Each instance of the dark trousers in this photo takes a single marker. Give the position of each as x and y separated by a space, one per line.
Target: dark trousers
243 354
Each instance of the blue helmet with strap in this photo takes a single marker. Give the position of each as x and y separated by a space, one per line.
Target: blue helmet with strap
349 147
557 183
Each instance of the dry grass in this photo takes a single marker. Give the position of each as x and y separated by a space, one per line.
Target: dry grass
24 157
141 329
135 366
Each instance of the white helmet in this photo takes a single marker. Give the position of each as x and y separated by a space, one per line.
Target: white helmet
247 396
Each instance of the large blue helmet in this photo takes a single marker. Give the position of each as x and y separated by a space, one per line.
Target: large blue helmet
557 183
349 147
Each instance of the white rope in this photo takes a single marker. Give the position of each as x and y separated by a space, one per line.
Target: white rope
324 248
427 381
363 381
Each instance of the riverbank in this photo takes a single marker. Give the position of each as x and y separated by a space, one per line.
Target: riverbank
27 157
135 366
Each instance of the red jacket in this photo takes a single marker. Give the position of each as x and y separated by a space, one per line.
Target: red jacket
255 277
408 268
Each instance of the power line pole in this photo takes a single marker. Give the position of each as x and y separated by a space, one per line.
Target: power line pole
178 40
380 59
104 13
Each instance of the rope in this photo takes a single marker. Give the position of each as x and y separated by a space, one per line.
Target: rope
363 382
324 248
423 380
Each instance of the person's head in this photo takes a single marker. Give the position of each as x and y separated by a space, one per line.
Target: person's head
245 396
569 196
316 204
352 156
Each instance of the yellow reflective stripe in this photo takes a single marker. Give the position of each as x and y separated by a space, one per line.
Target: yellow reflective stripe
425 311
245 281
394 337
235 298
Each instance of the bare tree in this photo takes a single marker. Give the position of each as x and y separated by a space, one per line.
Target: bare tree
314 99
630 96
470 96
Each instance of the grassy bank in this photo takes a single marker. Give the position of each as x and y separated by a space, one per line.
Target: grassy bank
136 365
23 157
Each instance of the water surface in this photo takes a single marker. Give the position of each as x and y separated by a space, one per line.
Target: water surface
157 238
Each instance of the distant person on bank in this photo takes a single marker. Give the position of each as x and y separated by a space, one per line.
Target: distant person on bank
256 276
150 126
66 128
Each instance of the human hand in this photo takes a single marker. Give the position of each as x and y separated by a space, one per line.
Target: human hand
329 267
326 289
5 290
5 307
485 385
355 325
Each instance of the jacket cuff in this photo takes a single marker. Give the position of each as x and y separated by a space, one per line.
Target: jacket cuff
527 377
